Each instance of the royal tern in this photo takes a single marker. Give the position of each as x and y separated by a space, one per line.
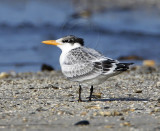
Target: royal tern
85 65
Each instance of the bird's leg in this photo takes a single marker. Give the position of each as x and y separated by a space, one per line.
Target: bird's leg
91 91
80 89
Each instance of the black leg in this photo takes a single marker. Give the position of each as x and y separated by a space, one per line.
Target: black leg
91 91
80 89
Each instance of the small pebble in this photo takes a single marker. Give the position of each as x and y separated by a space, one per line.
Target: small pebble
3 75
155 110
93 107
46 67
138 91
51 86
82 123
108 126
83 113
126 124
110 113
106 107
158 84
96 95
40 109
158 100
122 118
25 119
149 63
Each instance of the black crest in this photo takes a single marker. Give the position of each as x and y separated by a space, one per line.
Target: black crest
72 39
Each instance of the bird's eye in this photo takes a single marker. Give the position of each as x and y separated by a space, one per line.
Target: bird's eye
70 41
65 41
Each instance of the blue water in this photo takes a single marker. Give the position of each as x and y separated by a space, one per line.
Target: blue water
24 24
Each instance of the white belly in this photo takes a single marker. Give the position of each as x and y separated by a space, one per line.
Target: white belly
96 80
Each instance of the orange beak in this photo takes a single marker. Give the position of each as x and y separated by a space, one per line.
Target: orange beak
50 42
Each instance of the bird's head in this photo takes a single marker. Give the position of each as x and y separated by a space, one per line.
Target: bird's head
66 43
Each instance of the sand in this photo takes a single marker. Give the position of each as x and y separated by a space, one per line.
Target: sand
47 101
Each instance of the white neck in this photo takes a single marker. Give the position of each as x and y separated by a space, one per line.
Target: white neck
65 49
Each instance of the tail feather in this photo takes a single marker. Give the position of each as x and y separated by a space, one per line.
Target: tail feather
123 66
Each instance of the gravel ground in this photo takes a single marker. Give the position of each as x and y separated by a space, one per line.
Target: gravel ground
46 101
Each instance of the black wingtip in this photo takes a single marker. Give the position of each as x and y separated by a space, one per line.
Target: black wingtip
131 63
123 66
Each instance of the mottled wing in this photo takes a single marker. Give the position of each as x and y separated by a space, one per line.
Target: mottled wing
78 65
83 63
103 64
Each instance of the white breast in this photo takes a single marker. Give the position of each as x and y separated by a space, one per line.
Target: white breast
67 47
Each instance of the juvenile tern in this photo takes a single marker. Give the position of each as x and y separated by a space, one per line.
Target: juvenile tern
85 65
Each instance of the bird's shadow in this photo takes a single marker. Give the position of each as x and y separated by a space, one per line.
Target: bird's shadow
123 99
120 99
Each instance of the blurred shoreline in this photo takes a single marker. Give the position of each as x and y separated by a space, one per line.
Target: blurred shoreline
115 28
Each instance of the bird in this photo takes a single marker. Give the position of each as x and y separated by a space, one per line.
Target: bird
85 65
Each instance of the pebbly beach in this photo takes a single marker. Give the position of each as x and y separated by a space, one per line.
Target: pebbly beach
47 101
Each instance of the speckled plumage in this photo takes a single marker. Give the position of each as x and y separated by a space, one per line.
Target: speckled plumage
85 65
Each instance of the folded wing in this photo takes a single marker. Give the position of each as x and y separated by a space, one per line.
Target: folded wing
84 63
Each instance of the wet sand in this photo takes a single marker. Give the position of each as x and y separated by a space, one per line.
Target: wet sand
46 101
